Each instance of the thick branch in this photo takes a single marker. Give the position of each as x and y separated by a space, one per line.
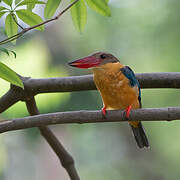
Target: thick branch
65 158
80 83
148 114
8 99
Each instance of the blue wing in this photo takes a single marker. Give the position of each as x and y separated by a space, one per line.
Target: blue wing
127 71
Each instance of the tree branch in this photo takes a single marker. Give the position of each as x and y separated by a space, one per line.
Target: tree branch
80 83
146 114
8 99
65 158
16 36
13 16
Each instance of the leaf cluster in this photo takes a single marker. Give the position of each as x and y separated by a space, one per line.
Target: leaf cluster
18 11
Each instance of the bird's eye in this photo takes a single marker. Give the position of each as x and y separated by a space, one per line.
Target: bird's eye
103 56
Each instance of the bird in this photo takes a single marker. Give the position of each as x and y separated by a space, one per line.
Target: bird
118 87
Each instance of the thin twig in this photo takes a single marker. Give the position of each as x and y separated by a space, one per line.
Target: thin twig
53 19
65 158
144 114
13 16
16 36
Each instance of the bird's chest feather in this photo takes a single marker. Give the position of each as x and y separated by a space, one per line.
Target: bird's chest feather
115 90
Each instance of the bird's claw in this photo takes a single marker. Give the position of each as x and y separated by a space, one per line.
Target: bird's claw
128 110
103 111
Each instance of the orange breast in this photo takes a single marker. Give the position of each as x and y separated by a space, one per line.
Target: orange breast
115 89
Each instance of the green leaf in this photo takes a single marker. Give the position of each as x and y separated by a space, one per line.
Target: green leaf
17 1
10 26
79 15
4 50
7 51
30 7
100 6
30 2
8 2
51 8
2 8
9 75
2 13
30 18
13 54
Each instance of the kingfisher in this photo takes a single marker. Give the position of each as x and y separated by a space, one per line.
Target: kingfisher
118 87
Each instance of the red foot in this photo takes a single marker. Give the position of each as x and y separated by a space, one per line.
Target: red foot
104 110
128 110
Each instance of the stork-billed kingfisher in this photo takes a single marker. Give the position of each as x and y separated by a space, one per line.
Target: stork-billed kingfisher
118 87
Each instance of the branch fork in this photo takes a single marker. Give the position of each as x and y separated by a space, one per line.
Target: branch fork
33 87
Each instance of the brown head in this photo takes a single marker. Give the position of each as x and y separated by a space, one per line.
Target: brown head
94 60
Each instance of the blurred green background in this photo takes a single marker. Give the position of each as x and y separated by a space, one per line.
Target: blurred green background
144 35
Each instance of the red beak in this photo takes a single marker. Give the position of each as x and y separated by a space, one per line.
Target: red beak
87 62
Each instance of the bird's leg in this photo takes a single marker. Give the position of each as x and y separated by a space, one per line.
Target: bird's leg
128 110
104 110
